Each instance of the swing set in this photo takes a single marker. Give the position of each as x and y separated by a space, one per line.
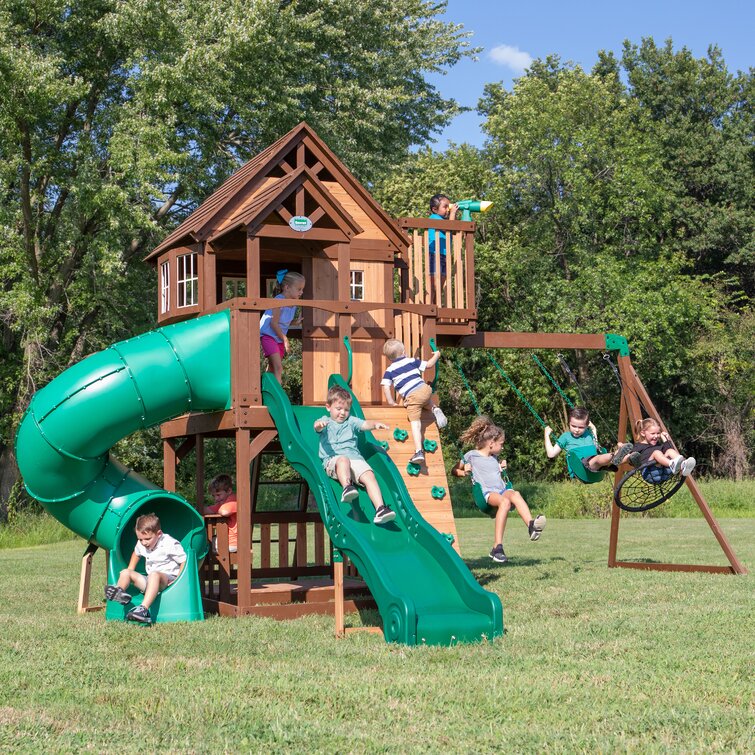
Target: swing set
636 490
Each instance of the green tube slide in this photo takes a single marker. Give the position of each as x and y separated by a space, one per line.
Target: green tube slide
424 591
64 439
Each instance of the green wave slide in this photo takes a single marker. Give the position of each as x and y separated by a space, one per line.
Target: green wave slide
424 591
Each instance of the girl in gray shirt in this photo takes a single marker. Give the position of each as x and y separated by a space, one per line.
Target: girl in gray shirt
485 468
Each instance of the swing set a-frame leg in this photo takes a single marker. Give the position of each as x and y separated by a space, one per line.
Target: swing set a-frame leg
633 398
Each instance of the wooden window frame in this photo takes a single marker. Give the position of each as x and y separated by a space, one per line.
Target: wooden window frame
165 287
182 282
353 285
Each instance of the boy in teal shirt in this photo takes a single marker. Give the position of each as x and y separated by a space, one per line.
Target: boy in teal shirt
583 436
340 455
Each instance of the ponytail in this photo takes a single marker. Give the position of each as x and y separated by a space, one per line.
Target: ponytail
481 431
286 278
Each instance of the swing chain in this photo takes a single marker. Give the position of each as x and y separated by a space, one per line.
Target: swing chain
609 361
519 394
553 382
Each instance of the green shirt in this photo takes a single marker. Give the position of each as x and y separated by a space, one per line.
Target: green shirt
569 442
340 438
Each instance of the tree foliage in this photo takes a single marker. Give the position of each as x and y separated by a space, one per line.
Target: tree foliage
119 117
617 208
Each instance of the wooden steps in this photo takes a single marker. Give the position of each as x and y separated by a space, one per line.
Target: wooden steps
438 513
291 600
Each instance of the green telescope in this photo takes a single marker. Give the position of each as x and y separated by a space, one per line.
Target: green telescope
468 206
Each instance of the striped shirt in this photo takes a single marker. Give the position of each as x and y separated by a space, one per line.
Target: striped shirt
405 374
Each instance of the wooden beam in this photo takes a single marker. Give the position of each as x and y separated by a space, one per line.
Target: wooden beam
335 307
185 448
613 539
223 423
444 225
652 566
260 442
314 234
208 278
200 471
505 340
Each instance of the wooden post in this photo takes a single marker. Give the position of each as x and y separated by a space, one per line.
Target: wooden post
200 471
169 465
469 269
428 334
338 593
615 511
208 279
85 581
252 389
244 518
736 565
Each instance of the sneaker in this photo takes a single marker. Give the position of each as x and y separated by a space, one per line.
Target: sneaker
688 465
350 492
622 453
115 593
418 458
498 555
634 459
676 464
140 614
440 418
536 526
383 515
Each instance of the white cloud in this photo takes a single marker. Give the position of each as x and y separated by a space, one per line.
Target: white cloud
510 57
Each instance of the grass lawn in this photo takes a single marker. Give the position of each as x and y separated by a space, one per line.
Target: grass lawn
594 659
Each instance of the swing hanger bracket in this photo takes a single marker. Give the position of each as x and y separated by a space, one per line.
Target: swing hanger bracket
618 343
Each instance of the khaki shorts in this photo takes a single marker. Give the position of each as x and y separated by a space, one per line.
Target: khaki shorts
417 400
358 467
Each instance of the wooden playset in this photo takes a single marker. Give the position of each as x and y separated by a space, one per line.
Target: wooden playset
367 280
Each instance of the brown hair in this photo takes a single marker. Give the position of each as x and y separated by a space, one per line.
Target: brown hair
643 424
393 349
221 482
579 413
147 523
481 431
336 393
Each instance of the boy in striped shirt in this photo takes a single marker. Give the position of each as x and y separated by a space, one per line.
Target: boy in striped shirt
405 375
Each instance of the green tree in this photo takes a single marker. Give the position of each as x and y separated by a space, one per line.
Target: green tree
118 118
584 236
702 117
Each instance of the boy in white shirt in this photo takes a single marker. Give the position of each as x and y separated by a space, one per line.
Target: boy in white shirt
164 560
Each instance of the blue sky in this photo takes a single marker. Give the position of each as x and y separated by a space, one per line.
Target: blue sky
512 34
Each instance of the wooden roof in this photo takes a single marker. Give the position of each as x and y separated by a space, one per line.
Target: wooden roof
262 184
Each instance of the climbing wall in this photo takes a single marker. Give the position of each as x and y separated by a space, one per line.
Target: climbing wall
432 473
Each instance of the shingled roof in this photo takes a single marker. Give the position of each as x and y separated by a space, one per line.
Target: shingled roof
242 195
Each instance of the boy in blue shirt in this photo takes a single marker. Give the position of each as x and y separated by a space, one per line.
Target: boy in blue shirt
583 435
340 455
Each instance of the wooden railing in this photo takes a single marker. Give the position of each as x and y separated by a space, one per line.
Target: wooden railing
288 544
453 293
